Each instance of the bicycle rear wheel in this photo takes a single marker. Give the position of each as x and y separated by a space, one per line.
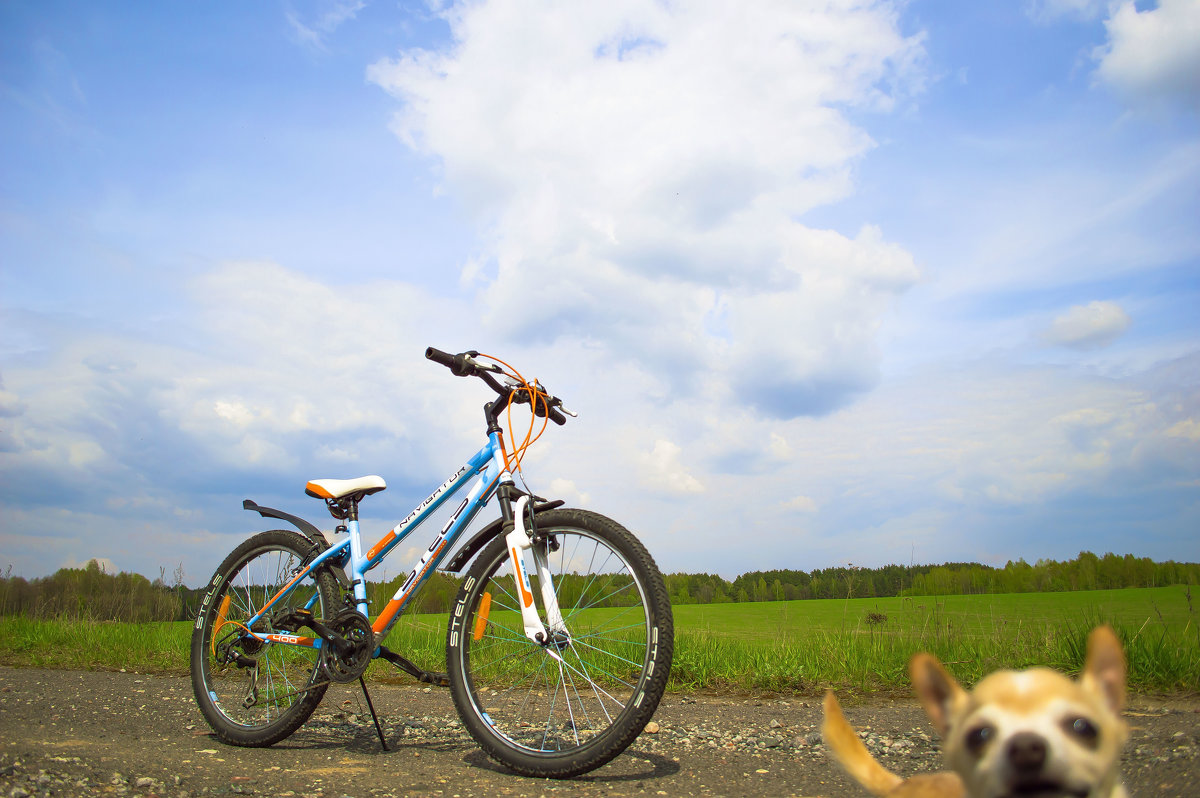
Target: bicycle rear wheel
256 693
562 709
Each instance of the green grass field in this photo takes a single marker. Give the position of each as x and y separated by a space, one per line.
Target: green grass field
864 644
855 645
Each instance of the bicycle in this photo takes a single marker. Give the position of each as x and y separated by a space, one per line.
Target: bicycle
554 669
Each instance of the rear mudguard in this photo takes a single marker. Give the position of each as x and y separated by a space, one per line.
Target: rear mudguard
485 536
306 528
310 531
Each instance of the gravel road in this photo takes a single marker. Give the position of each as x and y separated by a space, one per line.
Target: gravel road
71 733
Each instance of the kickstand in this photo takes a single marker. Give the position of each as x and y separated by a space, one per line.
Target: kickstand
374 717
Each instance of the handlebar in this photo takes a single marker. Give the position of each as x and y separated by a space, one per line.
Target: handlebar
465 365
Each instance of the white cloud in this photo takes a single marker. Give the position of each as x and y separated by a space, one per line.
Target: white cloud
1090 326
639 168
321 19
568 491
660 470
1153 54
1150 54
801 503
1188 429
106 565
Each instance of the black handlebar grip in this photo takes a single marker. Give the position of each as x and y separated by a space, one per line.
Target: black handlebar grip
459 365
438 356
545 409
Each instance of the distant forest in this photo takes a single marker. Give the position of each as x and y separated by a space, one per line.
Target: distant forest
90 593
1085 572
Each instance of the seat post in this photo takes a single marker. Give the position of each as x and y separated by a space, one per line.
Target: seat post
345 508
349 509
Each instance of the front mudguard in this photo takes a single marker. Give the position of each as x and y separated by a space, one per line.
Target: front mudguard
486 535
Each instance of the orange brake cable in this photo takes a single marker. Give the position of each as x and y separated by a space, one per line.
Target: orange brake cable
513 461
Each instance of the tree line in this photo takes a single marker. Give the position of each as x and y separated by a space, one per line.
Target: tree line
1086 572
91 593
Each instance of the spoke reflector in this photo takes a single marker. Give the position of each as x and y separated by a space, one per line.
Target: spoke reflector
485 606
222 611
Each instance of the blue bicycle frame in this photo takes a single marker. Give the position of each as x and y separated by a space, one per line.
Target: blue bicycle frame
487 464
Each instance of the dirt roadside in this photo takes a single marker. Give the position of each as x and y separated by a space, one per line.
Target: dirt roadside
71 733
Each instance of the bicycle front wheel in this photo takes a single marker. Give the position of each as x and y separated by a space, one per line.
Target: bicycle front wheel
251 692
568 706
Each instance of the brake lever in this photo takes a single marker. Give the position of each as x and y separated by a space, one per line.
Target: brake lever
522 397
469 358
515 396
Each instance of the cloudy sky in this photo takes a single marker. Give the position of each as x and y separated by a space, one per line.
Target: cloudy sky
827 281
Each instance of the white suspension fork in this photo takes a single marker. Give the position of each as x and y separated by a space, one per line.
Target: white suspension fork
518 541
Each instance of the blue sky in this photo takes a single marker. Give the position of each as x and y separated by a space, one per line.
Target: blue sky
828 282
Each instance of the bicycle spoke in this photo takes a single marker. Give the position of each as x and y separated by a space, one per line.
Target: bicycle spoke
605 597
595 688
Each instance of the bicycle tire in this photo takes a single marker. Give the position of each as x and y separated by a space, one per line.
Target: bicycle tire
229 693
558 717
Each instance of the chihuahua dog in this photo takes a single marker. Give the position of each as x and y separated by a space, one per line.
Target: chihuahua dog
1018 734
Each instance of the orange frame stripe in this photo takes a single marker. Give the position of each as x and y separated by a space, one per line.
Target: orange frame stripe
519 570
389 612
381 545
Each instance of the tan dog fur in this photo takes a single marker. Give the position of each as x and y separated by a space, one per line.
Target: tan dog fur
1030 734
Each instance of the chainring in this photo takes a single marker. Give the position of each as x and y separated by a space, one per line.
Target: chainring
352 661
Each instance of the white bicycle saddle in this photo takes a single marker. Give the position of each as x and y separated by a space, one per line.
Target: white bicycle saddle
340 488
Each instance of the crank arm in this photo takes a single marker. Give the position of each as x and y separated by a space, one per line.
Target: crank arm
294 620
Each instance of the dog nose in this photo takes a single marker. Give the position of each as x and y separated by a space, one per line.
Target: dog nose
1027 752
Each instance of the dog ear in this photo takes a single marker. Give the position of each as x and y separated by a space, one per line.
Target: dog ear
937 689
1104 670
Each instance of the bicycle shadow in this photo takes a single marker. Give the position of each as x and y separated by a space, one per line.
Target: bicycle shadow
631 766
659 767
364 740
408 738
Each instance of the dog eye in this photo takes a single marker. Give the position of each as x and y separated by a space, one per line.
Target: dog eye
978 737
1083 729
